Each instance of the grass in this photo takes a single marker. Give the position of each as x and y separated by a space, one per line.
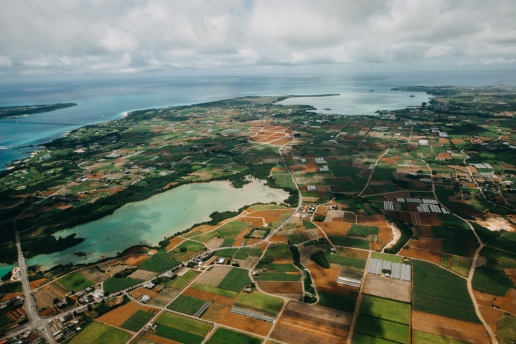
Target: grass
428 338
296 239
235 280
100 333
283 267
228 242
430 279
464 234
114 284
242 253
181 281
445 307
186 304
383 329
385 309
193 246
491 281
179 322
349 242
308 224
277 276
137 321
260 302
362 231
357 263
279 251
75 282
387 257
228 252
255 252
359 338
459 248
214 290
506 330
159 262
342 303
499 259
442 232
461 265
225 336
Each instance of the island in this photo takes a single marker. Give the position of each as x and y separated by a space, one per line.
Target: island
15 111
396 227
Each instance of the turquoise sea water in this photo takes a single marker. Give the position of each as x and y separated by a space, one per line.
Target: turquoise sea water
5 269
149 221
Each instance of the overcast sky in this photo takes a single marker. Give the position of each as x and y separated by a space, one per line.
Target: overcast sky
72 36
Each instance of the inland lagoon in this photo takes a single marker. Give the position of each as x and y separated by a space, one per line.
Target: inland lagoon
149 221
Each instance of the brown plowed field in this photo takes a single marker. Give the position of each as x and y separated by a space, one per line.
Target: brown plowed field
448 327
353 253
427 244
491 316
9 296
174 242
223 300
215 312
430 219
17 314
306 326
326 280
373 220
214 276
48 312
159 340
143 275
35 284
319 314
164 297
288 335
119 315
281 287
388 288
424 231
94 275
512 274
350 217
248 324
278 238
46 294
254 221
270 215
434 257
506 303
130 260
335 228
384 234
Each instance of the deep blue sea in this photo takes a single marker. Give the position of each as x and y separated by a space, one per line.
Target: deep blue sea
108 97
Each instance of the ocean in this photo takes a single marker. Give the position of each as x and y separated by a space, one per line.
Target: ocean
106 98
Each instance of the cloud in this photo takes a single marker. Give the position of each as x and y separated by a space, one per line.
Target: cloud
59 36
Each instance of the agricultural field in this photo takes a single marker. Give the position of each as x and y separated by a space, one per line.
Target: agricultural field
181 281
75 282
261 302
137 320
383 329
181 329
340 302
159 262
99 333
115 284
385 309
235 280
279 251
186 304
491 281
225 336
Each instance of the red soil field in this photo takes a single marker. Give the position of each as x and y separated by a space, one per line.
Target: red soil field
374 220
254 221
384 234
119 315
9 296
427 244
37 283
335 228
160 340
281 287
434 257
326 280
174 242
448 327
143 291
248 324
204 295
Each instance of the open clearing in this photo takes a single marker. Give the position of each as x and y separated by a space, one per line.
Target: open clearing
388 288
143 275
207 296
215 312
75 282
281 287
447 327
225 336
164 297
93 274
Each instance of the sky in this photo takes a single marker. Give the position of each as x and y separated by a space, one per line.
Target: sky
129 36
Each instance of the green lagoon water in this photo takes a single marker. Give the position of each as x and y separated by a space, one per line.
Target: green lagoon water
149 221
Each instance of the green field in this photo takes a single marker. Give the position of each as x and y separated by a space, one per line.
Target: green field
193 246
75 282
357 263
362 231
114 284
385 309
283 267
491 281
308 224
235 280
507 330
137 321
459 248
186 304
214 290
349 242
380 328
159 262
242 253
445 307
260 302
342 303
277 276
387 257
499 259
461 265
100 333
181 281
228 252
181 329
359 338
296 239
428 338
225 336
279 251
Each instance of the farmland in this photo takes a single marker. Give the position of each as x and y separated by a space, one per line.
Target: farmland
385 309
181 329
186 304
100 333
235 280
114 284
181 281
160 262
137 321
260 302
75 282
225 336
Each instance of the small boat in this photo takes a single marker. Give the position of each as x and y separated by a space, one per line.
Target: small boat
412 96
371 90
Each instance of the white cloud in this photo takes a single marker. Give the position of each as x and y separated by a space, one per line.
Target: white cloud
122 36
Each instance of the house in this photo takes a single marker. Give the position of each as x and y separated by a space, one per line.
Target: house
145 299
221 260
149 285
66 317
